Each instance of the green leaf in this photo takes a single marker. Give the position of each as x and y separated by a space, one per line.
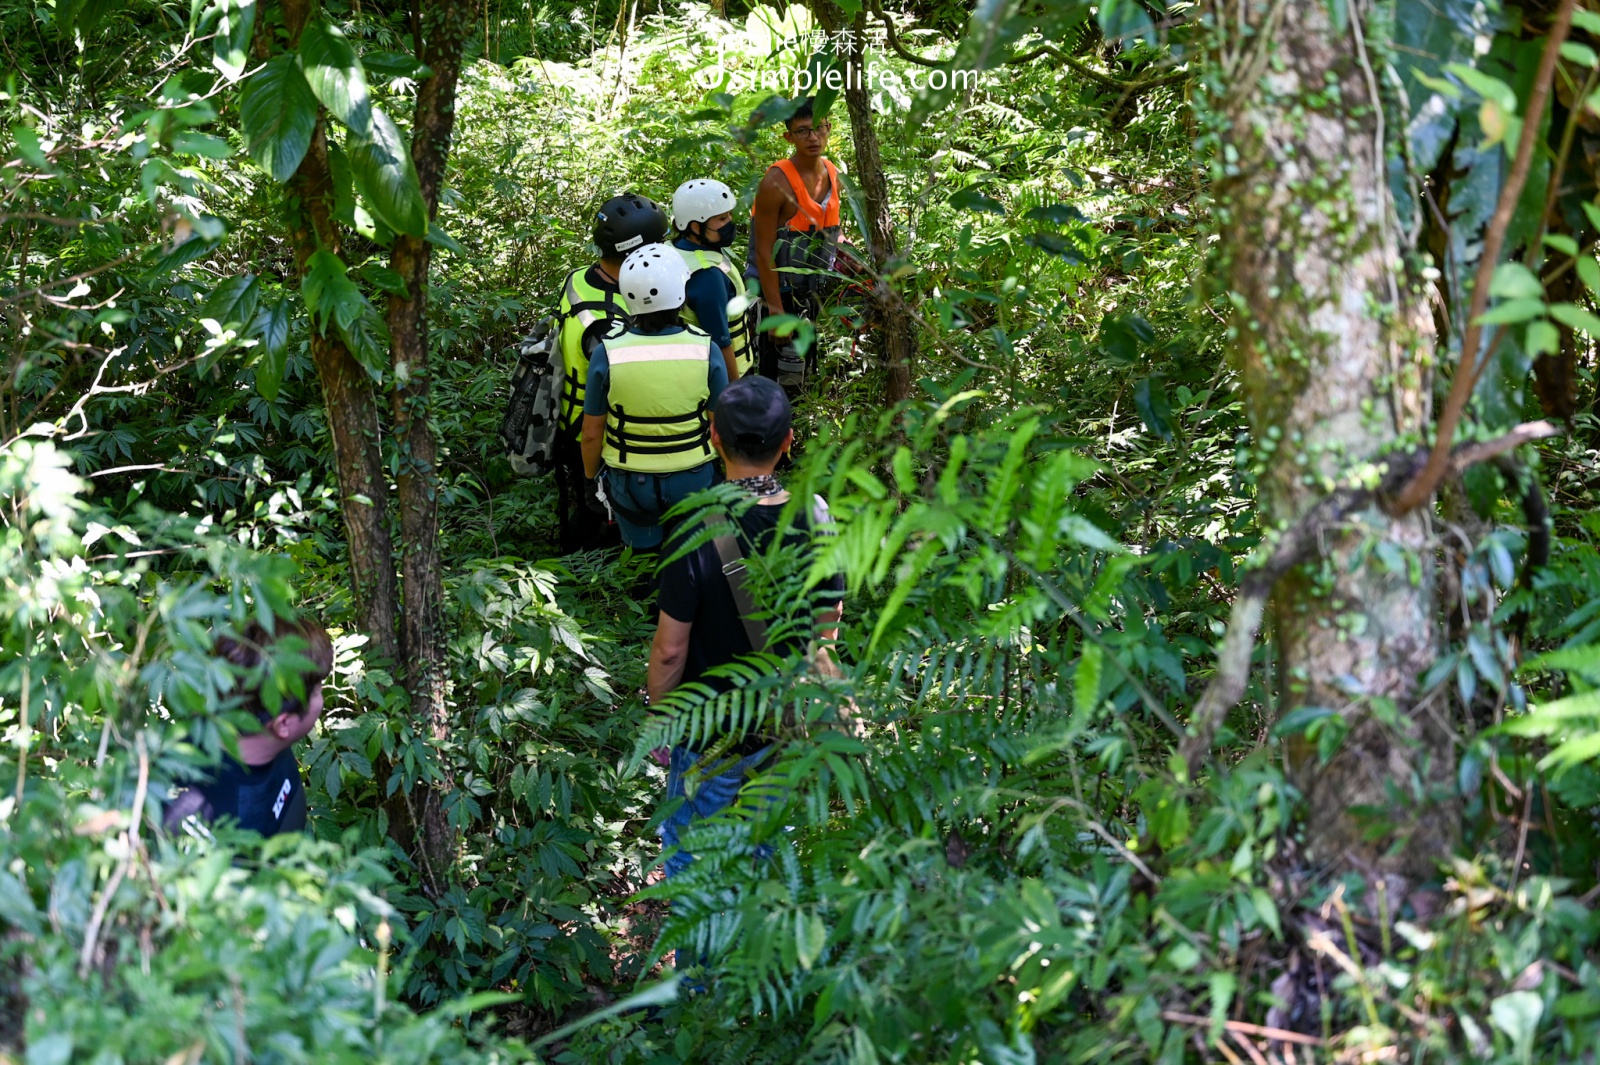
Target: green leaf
53 1049
234 29
1543 339
1589 273
188 142
440 239
333 70
1490 88
1513 281
330 294
386 177
367 337
270 368
395 65
1297 719
823 95
975 200
1581 54
1561 242
233 302
278 115
272 325
1150 397
1517 1015
29 147
1126 23
1086 680
1512 312
83 16
1548 719
1125 338
810 936
385 279
1575 317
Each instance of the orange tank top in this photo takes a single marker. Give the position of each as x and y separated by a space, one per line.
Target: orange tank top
810 215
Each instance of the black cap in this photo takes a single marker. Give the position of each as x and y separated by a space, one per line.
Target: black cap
754 415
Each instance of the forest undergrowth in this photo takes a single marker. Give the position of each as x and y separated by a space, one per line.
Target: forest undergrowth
1009 864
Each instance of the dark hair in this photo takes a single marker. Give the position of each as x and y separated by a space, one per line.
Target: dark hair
654 321
739 447
248 651
805 111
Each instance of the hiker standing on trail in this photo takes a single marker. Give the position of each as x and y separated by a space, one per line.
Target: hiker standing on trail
795 226
590 306
702 212
647 407
707 617
261 789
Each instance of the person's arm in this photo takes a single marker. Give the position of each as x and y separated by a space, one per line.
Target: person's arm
771 199
669 652
707 296
594 431
596 391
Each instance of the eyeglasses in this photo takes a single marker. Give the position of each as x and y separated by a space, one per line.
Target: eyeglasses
808 132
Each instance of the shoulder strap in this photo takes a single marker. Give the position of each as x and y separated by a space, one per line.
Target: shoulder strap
734 569
831 212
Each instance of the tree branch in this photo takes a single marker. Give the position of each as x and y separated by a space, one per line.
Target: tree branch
1295 544
1421 487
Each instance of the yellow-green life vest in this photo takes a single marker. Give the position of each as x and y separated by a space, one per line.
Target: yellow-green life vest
582 305
697 259
658 416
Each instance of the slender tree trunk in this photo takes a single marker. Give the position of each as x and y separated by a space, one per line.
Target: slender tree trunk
445 25
347 394
1324 335
899 330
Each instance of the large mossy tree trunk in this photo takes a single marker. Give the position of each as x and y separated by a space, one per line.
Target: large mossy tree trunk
899 330
1324 338
445 25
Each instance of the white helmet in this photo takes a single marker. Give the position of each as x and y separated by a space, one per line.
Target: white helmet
700 199
653 279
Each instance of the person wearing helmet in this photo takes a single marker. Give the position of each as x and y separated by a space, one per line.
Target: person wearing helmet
590 306
647 406
702 213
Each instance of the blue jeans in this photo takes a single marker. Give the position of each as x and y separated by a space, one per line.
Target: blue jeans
711 795
639 499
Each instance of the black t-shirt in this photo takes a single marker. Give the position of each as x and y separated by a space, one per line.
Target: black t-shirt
268 798
694 590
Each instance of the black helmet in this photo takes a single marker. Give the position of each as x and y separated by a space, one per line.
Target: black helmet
627 222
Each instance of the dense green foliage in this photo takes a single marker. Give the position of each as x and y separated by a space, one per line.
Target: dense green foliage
1004 864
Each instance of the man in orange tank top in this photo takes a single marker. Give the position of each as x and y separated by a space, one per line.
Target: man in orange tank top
794 238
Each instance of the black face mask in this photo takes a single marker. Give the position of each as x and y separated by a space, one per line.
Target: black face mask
723 238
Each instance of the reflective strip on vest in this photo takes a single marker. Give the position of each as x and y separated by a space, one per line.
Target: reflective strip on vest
697 259
582 305
657 409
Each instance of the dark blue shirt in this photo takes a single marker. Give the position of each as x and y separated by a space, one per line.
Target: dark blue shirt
267 798
707 296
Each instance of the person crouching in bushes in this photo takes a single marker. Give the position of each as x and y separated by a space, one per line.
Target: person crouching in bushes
261 790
